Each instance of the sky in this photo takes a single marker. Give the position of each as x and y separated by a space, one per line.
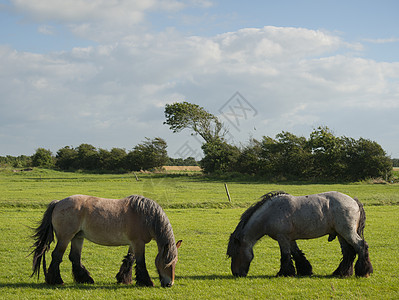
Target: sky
101 71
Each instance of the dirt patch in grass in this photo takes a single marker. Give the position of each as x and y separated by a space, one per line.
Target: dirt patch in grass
182 168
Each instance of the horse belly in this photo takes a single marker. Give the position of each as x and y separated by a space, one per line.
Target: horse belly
311 225
106 234
310 232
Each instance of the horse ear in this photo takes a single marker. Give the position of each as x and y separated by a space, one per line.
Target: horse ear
178 244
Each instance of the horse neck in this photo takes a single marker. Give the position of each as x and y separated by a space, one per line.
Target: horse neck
163 240
254 229
166 246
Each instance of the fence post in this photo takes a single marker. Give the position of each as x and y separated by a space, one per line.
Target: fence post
227 192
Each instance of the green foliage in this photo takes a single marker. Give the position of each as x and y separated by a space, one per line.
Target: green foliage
43 158
66 158
114 160
21 161
88 157
184 115
189 161
219 156
322 157
148 155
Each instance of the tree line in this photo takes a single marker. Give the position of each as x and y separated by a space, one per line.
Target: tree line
322 156
147 155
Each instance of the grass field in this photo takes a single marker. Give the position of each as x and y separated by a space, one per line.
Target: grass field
203 217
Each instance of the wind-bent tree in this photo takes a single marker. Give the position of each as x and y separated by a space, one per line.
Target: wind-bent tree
184 115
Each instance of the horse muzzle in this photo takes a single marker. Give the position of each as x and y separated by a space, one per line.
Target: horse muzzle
166 284
240 273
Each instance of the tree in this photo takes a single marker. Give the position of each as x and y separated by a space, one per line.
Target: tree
22 161
250 160
186 115
118 156
43 158
147 155
326 151
88 158
293 155
219 156
112 160
66 158
366 159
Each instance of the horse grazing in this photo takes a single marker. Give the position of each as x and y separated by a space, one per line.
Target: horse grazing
286 218
133 221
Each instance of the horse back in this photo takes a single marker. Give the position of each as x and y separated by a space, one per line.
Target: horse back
311 216
109 222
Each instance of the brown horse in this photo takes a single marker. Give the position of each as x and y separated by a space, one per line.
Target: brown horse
286 218
132 221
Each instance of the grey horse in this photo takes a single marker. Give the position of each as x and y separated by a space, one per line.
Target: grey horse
286 218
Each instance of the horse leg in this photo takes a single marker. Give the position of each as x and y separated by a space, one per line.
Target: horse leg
125 272
303 266
356 244
80 274
286 266
363 265
53 275
345 268
142 276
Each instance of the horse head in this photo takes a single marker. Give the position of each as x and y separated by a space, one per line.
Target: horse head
241 255
166 265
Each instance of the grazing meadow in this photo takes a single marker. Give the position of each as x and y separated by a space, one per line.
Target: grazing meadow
203 217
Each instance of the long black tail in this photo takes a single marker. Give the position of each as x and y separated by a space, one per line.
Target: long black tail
43 236
362 221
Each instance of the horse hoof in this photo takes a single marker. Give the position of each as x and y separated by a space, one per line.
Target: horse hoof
147 284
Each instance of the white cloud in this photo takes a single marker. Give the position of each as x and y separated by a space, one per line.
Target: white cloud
46 29
96 20
76 11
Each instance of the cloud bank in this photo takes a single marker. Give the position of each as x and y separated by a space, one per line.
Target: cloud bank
112 94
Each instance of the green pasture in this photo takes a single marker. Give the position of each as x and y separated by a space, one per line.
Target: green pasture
203 218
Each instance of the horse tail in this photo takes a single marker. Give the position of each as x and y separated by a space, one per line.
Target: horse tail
44 236
362 220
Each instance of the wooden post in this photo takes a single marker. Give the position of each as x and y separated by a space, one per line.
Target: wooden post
227 192
137 179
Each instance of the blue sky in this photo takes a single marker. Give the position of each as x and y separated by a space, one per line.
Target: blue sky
100 72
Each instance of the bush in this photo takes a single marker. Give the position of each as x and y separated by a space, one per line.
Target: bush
219 156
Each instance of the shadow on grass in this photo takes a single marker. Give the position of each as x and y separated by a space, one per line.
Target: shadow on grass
115 286
74 286
228 276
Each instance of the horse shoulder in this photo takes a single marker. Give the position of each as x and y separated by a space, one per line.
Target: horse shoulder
273 218
136 228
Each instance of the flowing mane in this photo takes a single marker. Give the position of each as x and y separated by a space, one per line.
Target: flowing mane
236 235
156 219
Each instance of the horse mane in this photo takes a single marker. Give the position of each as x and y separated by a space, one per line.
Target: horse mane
158 223
235 237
